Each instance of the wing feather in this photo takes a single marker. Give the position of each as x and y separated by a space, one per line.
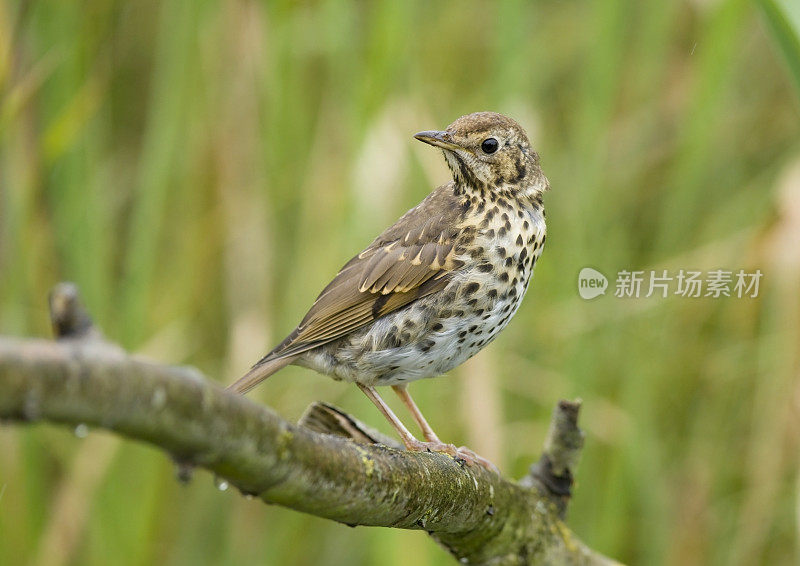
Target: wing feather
411 259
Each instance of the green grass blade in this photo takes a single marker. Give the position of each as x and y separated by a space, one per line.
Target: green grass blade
783 21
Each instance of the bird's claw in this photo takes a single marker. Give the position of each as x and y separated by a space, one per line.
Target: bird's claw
471 457
461 454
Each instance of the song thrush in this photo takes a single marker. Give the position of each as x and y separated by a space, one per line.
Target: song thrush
436 286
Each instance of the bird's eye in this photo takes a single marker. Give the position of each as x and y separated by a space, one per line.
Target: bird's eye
490 145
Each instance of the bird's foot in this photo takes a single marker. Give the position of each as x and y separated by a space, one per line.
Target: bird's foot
462 453
465 453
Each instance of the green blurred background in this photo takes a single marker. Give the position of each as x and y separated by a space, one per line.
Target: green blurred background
201 169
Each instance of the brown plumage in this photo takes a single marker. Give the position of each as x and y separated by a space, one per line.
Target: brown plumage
436 286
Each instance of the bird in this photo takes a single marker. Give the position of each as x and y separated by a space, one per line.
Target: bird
436 286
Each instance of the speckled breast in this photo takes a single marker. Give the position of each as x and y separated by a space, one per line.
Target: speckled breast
440 331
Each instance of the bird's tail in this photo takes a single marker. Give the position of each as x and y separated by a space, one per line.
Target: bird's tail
259 372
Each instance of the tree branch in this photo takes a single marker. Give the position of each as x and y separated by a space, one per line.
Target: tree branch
329 466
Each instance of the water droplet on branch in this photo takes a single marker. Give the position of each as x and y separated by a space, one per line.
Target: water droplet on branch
221 484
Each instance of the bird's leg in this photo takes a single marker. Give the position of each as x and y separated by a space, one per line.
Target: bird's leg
415 445
408 439
434 444
405 397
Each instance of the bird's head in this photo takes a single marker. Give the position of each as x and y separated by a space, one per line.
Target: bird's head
489 151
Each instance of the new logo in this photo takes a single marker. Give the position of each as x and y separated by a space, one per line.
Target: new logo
591 283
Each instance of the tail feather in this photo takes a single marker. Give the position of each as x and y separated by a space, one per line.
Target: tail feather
259 372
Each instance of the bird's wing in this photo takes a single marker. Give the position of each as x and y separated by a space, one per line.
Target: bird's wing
411 259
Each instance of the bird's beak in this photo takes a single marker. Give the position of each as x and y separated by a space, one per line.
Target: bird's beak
441 139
